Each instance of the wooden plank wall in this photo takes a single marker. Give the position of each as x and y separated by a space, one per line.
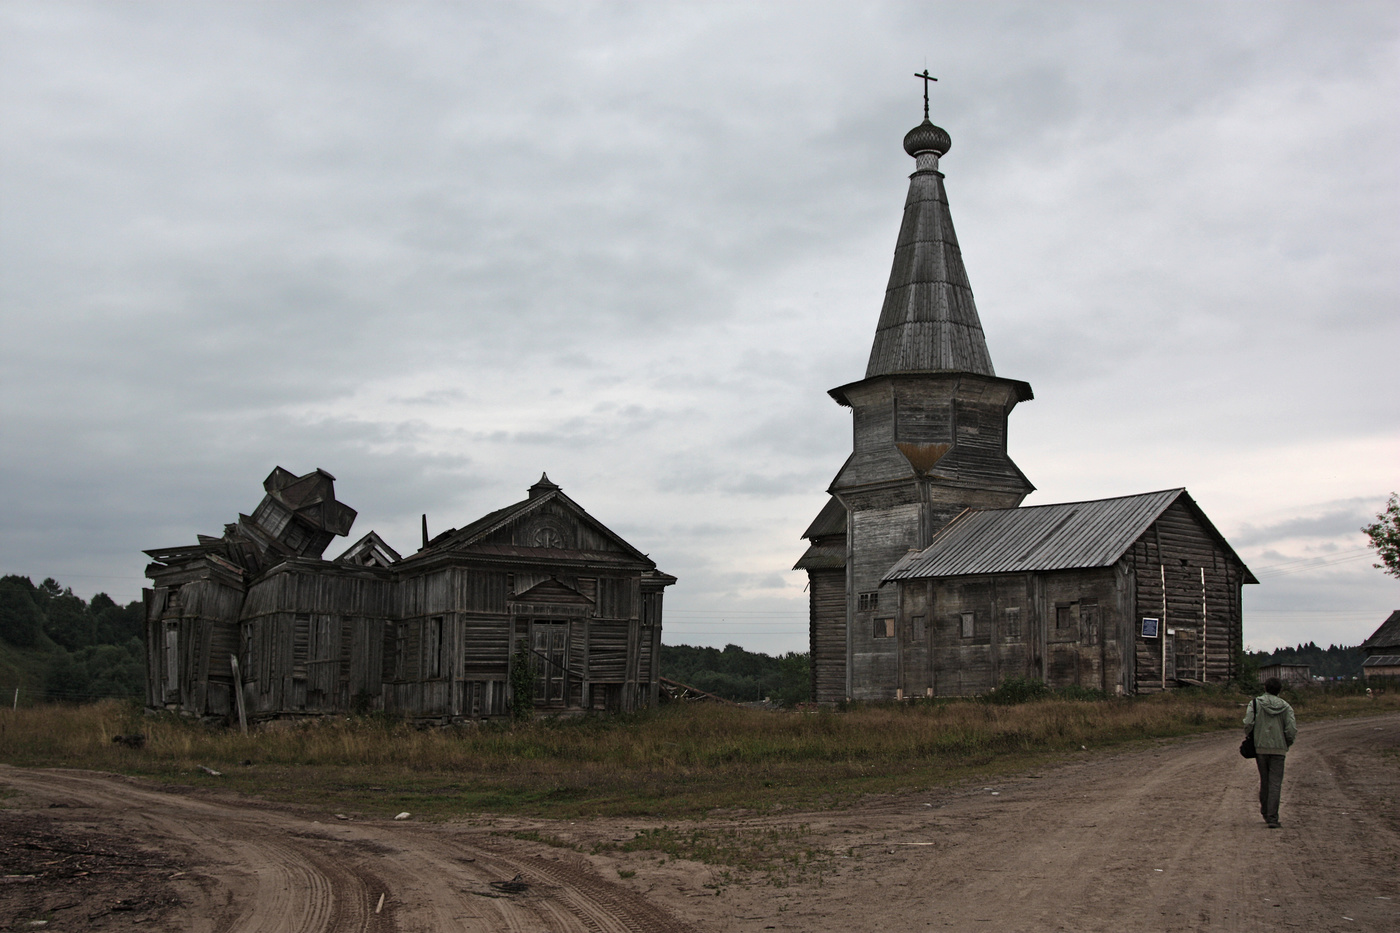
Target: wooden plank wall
1064 628
827 634
1178 549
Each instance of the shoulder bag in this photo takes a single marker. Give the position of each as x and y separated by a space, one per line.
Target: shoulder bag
1247 746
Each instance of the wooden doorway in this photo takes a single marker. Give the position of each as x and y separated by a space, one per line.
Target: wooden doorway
549 641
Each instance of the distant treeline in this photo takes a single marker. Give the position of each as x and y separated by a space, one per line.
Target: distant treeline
1330 662
55 646
736 674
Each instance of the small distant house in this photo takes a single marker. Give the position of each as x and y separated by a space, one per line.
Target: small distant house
258 615
1292 675
1380 654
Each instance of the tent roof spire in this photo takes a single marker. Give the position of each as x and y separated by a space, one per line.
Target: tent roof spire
929 321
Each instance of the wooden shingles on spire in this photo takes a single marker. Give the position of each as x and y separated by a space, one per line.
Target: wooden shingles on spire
929 320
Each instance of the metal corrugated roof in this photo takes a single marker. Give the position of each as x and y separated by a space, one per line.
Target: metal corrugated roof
1063 536
1382 660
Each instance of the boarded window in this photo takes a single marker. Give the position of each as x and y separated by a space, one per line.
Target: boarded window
172 659
868 602
1013 622
401 652
1089 622
301 644
323 641
969 621
436 636
1066 618
884 628
250 653
920 629
615 598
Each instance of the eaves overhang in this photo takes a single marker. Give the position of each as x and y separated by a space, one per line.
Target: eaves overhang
1021 389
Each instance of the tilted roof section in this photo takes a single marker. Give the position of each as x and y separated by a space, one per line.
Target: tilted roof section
1063 536
831 520
1388 635
929 321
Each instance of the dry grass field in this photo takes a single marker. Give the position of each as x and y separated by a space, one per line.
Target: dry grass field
679 762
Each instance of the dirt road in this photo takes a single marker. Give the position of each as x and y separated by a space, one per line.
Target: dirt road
1165 839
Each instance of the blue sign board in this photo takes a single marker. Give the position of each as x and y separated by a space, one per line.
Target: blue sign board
1149 628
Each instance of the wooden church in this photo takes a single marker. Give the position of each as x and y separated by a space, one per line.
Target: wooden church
256 625
926 577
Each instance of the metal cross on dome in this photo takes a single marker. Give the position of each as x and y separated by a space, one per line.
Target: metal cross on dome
926 79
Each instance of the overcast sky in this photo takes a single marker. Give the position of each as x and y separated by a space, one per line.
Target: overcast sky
439 248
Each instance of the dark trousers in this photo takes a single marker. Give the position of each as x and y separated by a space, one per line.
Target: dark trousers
1270 785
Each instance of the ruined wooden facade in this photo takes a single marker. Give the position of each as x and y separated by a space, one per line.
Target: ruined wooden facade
930 422
431 636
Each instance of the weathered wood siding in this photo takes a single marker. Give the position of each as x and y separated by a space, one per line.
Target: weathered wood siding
191 622
1200 602
827 634
312 639
965 635
429 637
925 447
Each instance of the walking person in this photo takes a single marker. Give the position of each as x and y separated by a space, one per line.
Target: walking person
1274 727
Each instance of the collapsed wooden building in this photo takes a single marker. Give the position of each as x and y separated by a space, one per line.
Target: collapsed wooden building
257 617
928 577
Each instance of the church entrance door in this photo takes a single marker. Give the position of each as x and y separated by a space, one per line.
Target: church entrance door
550 641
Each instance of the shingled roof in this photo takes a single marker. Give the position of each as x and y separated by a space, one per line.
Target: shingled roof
1063 536
929 321
1387 636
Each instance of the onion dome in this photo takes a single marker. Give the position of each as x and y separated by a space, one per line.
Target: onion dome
927 138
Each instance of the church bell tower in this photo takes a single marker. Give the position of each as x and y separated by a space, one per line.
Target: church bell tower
929 422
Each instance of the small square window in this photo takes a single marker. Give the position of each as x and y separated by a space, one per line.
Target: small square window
884 628
868 602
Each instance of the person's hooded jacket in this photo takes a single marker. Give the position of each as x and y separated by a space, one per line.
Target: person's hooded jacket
1275 728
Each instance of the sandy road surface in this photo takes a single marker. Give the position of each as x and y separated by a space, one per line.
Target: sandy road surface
1166 839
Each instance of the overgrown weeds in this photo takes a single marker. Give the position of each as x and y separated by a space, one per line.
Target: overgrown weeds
677 762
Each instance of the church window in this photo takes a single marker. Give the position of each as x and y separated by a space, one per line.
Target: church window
968 621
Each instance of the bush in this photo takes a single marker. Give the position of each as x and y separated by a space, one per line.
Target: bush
1015 690
1076 692
522 684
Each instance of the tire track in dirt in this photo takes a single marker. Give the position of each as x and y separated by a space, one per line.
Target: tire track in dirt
606 906
256 868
